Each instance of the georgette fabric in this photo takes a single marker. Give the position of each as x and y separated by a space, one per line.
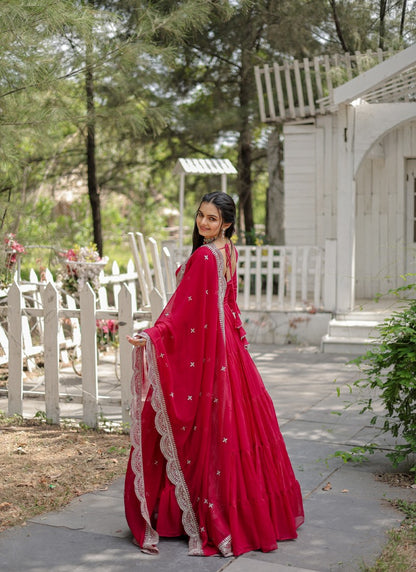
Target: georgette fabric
207 460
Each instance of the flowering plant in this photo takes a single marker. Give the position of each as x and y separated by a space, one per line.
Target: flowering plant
81 265
107 334
10 251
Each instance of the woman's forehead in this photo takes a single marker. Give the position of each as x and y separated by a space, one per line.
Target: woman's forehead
209 209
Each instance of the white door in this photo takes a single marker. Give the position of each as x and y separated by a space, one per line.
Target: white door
411 218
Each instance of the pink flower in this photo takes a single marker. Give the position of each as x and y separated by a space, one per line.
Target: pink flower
70 255
12 248
112 326
11 244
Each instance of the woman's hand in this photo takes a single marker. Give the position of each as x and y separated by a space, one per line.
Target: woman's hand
136 341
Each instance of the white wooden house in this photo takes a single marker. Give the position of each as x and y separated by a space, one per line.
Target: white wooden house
349 127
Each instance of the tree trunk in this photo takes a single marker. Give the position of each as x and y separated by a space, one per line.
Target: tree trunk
244 187
382 26
403 17
93 191
275 192
338 26
244 153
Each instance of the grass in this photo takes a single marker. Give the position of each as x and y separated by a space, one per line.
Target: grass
399 555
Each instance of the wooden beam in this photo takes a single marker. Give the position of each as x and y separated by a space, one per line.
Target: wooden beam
298 83
318 81
260 94
279 91
309 89
289 90
269 91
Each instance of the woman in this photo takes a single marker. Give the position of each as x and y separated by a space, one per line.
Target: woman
207 459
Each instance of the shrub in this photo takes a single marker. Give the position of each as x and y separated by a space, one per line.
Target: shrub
390 368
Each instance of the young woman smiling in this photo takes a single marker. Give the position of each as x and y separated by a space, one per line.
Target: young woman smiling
208 459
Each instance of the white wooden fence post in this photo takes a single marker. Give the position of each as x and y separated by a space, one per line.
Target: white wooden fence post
145 260
89 356
156 304
170 273
14 316
51 352
131 283
282 277
125 316
144 289
304 275
318 278
330 275
157 268
294 274
257 277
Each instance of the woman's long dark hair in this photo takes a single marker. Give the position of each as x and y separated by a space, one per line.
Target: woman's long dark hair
226 207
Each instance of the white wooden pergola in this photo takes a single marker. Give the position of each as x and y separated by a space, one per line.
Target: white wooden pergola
183 167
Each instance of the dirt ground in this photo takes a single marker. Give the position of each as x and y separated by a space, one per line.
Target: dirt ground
43 467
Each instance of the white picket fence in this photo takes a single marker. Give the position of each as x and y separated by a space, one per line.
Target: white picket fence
269 277
280 277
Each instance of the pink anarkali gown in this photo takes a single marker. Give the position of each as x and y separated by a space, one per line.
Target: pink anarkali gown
207 460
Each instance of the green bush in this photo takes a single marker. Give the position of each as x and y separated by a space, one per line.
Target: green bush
390 368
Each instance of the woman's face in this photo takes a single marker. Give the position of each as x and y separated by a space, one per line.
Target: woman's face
208 220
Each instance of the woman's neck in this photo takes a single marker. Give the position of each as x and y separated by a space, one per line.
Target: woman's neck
221 242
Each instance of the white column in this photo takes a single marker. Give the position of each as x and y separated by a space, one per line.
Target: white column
224 182
345 211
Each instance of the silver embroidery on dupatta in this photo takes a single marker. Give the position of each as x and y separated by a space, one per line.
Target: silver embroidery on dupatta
222 284
168 448
151 537
225 546
169 451
167 442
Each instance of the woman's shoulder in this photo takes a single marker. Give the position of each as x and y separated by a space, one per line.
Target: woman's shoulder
203 253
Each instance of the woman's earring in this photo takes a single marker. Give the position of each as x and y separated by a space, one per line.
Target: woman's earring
223 233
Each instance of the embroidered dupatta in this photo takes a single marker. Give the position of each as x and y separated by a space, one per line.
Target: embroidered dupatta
181 426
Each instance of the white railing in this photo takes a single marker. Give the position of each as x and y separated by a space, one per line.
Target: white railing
269 278
298 89
280 277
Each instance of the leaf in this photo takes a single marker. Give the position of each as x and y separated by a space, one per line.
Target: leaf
20 451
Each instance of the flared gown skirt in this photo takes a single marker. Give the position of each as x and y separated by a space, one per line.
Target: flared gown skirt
259 495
